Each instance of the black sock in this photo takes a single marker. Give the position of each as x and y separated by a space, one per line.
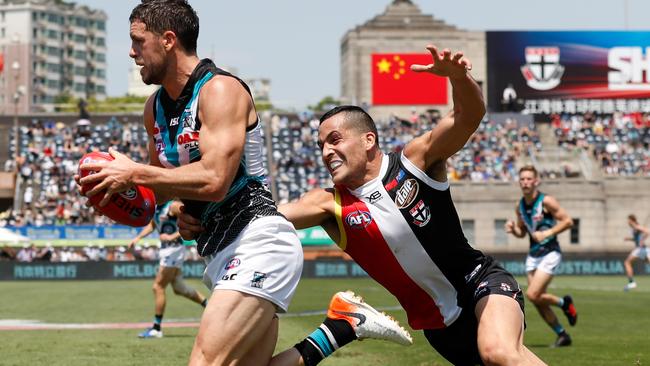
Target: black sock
204 303
341 330
330 336
157 319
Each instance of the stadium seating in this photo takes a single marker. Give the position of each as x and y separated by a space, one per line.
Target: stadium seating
619 143
48 160
50 151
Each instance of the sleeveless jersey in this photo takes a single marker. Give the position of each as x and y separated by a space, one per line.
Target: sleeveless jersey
176 136
403 230
636 237
166 224
536 219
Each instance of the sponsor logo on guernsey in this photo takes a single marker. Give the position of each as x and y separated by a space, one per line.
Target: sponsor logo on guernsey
188 137
258 279
393 183
174 121
358 219
407 193
234 262
374 197
129 194
229 277
160 145
421 214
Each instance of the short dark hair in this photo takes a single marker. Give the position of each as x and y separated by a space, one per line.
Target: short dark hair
632 217
356 116
177 16
529 168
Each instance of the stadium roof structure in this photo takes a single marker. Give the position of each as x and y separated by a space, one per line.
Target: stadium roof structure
404 14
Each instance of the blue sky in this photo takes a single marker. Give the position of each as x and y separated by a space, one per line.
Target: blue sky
296 43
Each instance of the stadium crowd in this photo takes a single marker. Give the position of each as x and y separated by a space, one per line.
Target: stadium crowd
48 253
50 151
49 156
490 155
620 143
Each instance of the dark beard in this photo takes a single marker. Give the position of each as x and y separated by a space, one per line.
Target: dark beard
155 75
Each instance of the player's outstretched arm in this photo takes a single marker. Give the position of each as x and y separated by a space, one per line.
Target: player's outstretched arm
221 142
312 209
453 131
148 229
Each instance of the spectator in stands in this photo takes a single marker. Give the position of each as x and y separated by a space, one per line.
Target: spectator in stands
7 253
620 143
26 254
509 98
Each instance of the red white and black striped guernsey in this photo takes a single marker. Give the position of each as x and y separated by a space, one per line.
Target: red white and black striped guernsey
403 230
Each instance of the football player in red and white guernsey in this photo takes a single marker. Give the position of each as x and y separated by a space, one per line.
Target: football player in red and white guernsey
394 215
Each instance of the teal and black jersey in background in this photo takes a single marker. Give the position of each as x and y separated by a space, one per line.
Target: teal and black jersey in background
166 224
636 237
177 129
537 219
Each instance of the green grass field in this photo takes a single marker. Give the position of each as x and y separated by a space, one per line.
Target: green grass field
613 326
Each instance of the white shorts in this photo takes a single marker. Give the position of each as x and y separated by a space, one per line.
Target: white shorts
172 256
265 260
548 263
641 253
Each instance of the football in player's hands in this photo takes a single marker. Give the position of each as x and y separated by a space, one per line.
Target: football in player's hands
133 207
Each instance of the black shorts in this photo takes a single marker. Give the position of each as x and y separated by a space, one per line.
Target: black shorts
458 342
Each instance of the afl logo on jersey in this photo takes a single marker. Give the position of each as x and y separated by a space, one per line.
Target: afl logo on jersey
407 193
235 262
358 219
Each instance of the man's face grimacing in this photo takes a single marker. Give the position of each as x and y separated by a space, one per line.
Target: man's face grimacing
345 150
148 52
528 182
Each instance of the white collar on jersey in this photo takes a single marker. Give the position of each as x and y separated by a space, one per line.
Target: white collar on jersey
370 186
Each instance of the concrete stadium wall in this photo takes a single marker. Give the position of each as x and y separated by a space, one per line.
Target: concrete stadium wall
601 207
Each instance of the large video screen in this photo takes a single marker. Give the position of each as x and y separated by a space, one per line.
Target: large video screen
575 72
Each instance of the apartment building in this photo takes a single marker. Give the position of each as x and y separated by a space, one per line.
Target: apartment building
50 48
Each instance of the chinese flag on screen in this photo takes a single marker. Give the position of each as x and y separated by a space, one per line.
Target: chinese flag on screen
393 82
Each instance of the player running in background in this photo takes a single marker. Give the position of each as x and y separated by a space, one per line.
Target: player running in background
170 270
394 215
640 251
541 217
205 147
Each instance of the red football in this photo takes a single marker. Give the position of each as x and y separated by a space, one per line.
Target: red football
133 207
